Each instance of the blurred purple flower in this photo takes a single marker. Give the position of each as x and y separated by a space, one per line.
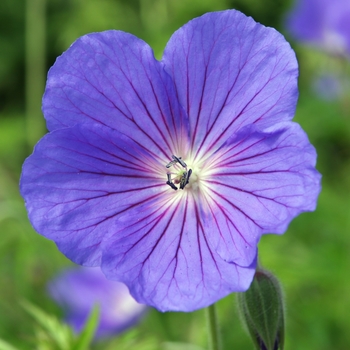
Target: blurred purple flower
328 86
181 233
77 290
323 23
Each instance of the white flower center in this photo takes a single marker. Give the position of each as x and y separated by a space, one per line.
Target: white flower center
188 176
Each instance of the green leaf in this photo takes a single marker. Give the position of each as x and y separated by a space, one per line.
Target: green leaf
180 346
6 346
52 331
87 334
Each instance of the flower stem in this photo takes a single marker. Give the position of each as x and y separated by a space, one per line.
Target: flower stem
213 328
35 69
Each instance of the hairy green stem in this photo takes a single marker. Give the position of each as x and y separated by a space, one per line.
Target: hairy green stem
213 328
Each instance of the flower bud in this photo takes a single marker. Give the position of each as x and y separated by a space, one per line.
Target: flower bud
262 310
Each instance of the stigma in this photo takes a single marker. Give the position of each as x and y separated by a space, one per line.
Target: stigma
181 176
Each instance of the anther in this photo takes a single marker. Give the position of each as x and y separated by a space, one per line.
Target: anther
182 178
179 160
171 163
188 176
171 185
185 177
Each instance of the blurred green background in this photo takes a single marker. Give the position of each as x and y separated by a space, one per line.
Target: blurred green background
311 259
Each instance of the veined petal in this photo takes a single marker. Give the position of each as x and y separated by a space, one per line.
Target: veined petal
167 173
259 181
80 179
229 72
112 78
164 257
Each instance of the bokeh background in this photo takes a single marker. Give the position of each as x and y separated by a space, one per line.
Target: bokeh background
311 259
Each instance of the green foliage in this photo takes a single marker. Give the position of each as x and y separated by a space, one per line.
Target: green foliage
87 334
179 346
6 346
11 54
133 339
268 12
50 333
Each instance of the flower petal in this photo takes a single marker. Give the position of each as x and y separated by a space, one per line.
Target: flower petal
80 179
112 78
229 72
166 261
260 181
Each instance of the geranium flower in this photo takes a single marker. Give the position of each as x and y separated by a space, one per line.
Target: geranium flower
78 290
166 173
322 23
328 86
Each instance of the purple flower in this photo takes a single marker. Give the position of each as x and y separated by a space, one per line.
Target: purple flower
328 86
166 174
77 290
323 23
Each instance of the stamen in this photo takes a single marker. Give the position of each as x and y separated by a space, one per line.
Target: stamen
179 160
185 178
171 163
188 176
171 185
182 178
